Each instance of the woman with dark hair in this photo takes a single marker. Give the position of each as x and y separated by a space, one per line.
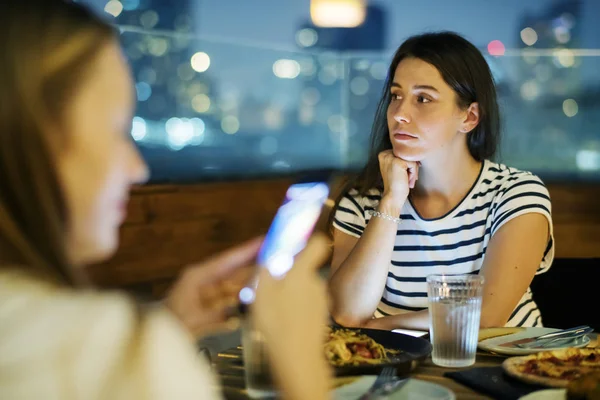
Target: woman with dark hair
67 162
431 201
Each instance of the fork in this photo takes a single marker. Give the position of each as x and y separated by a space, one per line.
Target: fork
387 375
545 342
573 341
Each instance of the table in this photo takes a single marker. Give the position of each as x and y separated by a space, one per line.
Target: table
230 368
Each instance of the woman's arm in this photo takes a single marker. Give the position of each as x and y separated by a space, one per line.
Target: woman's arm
511 261
359 269
418 320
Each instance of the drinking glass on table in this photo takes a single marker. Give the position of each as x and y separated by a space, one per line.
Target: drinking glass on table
454 313
259 382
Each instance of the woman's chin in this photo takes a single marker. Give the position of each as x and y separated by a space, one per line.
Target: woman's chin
408 154
101 250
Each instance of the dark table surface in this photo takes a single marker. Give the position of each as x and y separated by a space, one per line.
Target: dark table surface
230 368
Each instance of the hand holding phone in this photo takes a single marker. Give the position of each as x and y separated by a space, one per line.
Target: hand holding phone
292 226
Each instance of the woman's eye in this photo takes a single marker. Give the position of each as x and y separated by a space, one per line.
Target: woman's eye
423 99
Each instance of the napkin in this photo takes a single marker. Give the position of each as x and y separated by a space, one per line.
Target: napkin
493 382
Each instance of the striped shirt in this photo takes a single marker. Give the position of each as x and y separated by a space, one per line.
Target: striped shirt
456 242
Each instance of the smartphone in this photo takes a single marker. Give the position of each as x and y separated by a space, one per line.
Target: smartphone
293 224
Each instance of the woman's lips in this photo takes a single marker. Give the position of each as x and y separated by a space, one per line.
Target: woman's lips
404 136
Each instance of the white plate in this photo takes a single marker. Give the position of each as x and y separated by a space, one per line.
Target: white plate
414 389
546 394
493 344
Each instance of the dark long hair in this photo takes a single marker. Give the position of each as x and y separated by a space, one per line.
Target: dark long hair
465 70
48 46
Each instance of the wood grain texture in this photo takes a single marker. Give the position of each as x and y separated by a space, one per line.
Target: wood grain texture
169 226
576 217
172 226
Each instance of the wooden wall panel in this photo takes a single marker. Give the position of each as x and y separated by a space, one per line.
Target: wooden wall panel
576 216
169 226
573 203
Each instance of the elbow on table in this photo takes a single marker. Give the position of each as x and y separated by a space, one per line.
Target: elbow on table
347 315
349 320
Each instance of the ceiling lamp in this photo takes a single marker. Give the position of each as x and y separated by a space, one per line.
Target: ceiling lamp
338 13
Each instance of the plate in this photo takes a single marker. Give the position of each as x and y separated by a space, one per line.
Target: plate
546 394
493 344
414 389
412 350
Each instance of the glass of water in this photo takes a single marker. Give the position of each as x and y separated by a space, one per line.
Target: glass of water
454 313
259 382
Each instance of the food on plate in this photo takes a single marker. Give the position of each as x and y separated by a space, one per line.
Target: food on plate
350 347
554 368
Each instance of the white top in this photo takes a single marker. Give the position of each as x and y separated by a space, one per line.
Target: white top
61 344
456 242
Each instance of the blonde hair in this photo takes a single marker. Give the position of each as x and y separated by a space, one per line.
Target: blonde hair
48 46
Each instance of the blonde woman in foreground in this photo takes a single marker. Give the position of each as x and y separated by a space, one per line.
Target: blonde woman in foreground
66 166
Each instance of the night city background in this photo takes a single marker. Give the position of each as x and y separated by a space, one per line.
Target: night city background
244 88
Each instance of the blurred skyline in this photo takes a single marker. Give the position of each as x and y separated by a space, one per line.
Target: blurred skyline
271 25
479 21
226 87
274 23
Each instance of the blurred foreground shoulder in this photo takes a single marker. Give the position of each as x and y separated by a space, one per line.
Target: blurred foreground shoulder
58 343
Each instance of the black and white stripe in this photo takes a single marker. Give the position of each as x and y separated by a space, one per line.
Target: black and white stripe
455 243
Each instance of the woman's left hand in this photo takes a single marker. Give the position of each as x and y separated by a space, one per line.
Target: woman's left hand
205 296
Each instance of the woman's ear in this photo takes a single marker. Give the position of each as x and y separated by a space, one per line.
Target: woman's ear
471 119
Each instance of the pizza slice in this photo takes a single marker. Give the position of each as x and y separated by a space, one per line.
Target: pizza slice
554 368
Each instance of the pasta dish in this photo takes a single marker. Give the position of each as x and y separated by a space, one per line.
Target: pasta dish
348 347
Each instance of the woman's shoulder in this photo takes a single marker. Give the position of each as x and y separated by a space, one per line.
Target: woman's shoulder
504 171
41 323
499 179
372 194
23 296
33 307
365 200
